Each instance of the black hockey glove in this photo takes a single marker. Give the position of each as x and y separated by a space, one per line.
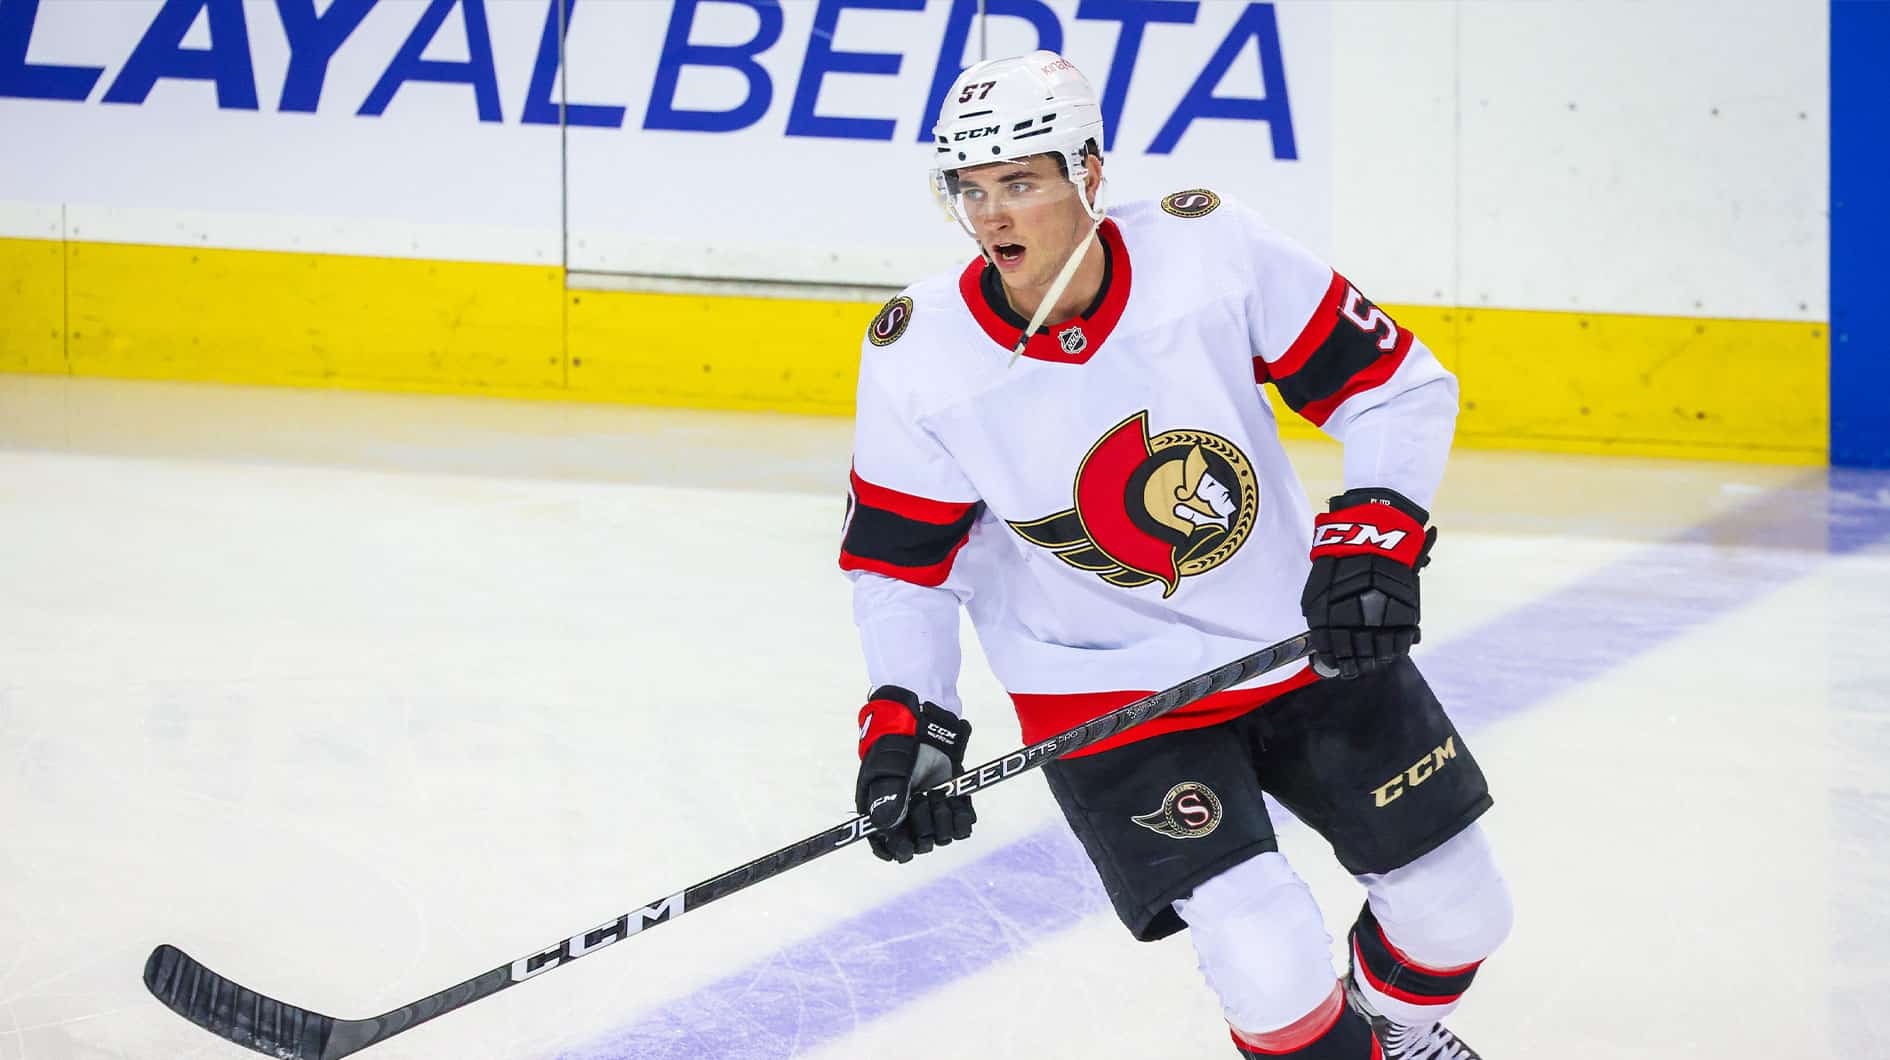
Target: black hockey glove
1361 600
905 748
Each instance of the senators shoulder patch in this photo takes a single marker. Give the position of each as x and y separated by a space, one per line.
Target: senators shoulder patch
1195 202
891 322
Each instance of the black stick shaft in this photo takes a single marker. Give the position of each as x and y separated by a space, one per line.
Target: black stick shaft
268 1026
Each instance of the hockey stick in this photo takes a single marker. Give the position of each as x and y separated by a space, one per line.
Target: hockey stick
243 1016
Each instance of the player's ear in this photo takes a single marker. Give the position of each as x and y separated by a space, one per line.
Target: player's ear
1092 166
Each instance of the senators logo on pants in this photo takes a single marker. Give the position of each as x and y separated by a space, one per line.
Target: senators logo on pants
1152 509
1190 810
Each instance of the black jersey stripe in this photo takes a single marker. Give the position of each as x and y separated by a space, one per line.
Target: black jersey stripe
889 537
1348 357
902 536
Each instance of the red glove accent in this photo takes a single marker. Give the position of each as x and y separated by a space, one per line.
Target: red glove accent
887 716
1373 528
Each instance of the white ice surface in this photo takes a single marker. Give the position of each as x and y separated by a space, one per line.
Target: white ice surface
356 696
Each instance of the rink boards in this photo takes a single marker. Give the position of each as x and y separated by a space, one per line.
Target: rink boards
1619 238
1664 386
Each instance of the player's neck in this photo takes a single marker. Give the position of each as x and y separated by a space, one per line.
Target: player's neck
1078 296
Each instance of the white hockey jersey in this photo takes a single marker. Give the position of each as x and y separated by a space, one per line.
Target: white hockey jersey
1114 509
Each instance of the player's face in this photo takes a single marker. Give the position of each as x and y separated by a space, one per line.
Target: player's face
1026 214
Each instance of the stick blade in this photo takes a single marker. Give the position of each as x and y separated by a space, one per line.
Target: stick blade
235 1013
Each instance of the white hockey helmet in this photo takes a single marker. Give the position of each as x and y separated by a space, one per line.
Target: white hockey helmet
1007 109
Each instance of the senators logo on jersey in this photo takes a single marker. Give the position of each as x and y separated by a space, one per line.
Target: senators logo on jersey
891 322
1152 508
1195 202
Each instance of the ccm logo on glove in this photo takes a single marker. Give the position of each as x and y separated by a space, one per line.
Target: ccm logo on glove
1362 534
941 735
908 747
1361 597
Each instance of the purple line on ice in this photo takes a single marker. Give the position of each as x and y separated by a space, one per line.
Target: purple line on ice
825 987
820 989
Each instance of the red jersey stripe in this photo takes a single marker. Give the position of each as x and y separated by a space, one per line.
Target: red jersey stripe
1313 335
906 505
1043 715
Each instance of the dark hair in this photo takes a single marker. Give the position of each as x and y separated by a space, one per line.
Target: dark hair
1090 150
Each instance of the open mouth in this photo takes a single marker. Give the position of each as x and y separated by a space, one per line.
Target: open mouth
1008 254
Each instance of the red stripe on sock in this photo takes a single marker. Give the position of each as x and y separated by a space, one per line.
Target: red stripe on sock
1393 992
1298 1034
1405 959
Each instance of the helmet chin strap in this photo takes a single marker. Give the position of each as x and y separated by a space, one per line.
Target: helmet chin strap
1056 290
1092 205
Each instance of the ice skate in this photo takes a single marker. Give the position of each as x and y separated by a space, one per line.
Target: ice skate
1424 1041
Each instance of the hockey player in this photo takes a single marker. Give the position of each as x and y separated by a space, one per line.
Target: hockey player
1068 439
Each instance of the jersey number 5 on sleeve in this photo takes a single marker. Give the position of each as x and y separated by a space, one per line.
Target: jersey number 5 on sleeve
1370 322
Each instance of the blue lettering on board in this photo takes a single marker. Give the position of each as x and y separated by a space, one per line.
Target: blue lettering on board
540 108
23 80
313 41
1258 24
678 53
316 31
822 59
161 54
476 71
951 51
1135 16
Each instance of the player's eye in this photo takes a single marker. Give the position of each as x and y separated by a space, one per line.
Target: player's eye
1022 187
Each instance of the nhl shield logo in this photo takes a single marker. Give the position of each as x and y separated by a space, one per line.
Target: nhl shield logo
1073 340
1152 508
1190 810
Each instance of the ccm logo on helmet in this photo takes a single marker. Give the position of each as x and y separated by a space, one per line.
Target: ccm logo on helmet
973 134
1362 534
